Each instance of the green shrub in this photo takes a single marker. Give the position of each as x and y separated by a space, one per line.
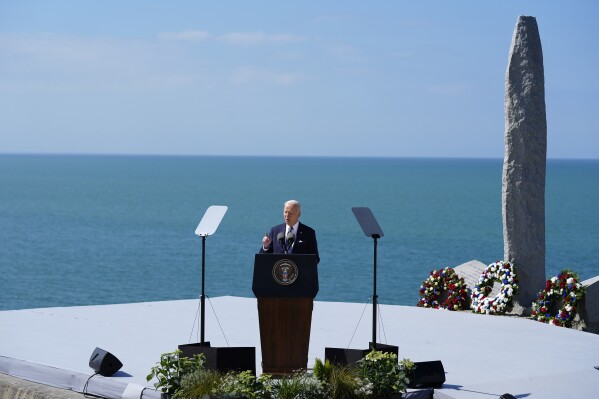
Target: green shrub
378 375
299 386
342 382
245 384
201 383
387 376
172 368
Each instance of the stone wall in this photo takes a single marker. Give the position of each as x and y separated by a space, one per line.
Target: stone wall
16 388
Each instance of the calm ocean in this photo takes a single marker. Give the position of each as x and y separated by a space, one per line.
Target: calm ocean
83 230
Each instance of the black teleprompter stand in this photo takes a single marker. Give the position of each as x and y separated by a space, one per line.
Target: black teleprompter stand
428 374
345 356
226 358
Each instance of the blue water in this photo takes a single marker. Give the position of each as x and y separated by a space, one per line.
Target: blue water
82 230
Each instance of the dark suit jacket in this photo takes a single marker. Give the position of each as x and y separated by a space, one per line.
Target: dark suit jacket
305 241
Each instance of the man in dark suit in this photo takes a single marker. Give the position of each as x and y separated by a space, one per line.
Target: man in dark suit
305 237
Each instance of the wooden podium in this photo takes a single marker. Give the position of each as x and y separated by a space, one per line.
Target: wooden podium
285 286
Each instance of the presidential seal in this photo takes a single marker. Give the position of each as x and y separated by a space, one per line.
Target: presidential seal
285 272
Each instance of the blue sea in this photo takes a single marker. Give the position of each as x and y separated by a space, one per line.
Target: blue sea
86 230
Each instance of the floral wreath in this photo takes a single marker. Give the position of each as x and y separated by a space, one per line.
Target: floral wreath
445 280
564 286
503 273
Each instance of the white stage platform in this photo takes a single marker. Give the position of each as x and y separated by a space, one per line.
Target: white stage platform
483 356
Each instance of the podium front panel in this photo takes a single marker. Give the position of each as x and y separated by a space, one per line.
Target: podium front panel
285 276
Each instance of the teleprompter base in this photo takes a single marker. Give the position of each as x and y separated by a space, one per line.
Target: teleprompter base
223 359
344 356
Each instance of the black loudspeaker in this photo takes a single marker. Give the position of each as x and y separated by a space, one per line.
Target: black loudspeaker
104 362
427 375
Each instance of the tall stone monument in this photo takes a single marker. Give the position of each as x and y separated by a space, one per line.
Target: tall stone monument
523 192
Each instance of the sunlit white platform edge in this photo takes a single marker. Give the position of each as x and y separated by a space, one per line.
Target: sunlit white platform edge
483 356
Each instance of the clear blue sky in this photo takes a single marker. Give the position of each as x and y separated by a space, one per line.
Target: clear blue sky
341 78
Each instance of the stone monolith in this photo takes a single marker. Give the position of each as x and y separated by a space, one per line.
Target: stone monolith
523 192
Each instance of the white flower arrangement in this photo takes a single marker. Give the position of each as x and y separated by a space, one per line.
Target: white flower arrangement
503 273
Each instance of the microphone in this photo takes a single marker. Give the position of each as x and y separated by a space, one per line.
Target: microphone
290 239
281 239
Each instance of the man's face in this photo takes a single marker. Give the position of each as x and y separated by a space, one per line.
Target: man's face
291 213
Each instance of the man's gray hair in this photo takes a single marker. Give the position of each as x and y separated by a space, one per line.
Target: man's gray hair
294 203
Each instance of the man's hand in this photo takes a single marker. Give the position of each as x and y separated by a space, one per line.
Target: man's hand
266 241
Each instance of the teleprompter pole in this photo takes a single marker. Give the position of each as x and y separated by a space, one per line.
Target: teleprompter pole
375 237
203 296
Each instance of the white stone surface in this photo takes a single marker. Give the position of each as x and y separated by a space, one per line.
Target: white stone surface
483 356
470 272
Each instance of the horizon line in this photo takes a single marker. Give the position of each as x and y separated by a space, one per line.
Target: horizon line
159 155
